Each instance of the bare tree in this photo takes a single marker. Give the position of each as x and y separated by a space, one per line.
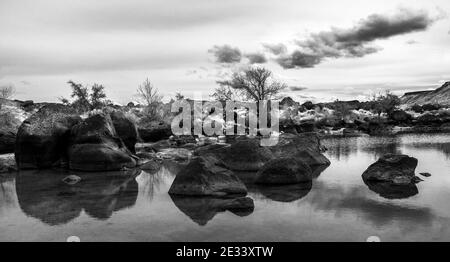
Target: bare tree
254 83
7 91
150 96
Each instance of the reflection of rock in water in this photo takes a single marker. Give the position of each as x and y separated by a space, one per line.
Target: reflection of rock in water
44 196
285 193
203 209
392 191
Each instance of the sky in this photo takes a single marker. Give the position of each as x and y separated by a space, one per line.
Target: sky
323 50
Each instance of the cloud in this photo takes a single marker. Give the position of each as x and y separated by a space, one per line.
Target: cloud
355 41
226 54
297 88
256 58
276 49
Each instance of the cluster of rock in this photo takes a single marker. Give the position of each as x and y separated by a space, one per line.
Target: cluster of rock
56 136
214 169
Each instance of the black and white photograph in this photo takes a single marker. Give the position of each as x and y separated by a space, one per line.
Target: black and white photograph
234 122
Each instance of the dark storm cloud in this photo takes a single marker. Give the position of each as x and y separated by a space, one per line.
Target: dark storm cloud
226 54
353 42
256 58
276 49
297 88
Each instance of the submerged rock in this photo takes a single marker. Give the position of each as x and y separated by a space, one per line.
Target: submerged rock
95 146
43 138
283 193
425 174
202 209
287 170
206 176
71 179
396 169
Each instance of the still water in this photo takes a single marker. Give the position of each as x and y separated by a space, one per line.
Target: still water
338 206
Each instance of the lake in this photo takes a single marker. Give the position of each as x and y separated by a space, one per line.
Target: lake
338 206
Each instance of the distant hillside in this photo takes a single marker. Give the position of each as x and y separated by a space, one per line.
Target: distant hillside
439 96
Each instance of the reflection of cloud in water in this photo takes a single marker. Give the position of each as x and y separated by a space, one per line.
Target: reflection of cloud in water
150 182
344 147
355 201
42 194
202 209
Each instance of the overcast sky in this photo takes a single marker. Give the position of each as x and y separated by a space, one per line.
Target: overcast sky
331 49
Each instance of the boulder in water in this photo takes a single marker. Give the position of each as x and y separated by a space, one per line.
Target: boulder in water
96 146
286 170
43 138
396 169
206 176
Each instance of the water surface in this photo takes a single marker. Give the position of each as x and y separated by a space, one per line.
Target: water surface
337 206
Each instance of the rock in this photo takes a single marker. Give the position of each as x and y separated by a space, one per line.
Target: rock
177 154
126 129
202 209
151 165
43 138
305 147
206 176
7 141
96 146
7 163
396 169
154 131
71 179
425 174
287 170
400 116
246 155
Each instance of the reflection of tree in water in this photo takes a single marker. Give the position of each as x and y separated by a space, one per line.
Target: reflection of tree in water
42 194
342 147
442 147
151 182
380 146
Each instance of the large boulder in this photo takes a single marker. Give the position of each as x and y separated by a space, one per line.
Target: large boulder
7 140
304 147
206 176
96 146
43 138
154 131
126 129
396 169
246 155
400 116
286 170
